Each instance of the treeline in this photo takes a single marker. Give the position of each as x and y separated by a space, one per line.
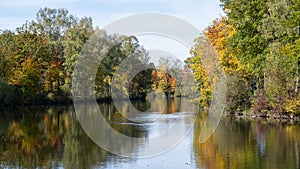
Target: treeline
37 59
257 45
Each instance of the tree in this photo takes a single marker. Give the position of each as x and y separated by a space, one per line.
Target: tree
278 70
218 35
202 63
73 41
28 78
124 51
265 43
169 76
248 43
54 23
28 50
292 48
6 39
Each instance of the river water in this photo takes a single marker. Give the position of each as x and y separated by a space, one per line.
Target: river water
52 137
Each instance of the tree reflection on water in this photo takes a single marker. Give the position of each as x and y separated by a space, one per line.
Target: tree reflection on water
48 137
240 143
51 137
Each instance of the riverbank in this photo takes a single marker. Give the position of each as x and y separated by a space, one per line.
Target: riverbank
251 115
42 100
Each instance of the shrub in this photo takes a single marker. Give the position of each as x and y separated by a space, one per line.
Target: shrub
238 94
292 106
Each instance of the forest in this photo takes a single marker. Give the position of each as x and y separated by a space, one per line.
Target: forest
256 44
38 59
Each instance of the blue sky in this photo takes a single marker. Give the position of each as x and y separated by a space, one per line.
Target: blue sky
198 12
13 13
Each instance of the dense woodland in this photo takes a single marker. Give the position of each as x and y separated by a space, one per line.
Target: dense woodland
37 60
256 44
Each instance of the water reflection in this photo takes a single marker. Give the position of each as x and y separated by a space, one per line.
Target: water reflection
240 143
167 127
51 137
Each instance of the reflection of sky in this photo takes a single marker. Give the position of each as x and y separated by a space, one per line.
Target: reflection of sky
165 126
180 157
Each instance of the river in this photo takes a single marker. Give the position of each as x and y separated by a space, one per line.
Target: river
52 137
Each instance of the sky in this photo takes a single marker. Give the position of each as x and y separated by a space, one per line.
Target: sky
200 13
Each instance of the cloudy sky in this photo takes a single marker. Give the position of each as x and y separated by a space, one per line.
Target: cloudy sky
13 13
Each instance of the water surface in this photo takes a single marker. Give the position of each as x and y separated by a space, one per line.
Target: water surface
52 137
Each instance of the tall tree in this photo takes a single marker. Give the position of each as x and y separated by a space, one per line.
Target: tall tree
55 23
74 39
27 46
248 43
218 35
203 62
279 68
6 39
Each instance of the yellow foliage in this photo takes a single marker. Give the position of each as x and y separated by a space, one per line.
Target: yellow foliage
292 106
218 34
202 66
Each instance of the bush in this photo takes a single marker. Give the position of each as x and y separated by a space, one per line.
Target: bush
292 106
238 94
261 105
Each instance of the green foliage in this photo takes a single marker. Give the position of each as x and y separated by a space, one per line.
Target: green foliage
264 42
30 77
248 44
39 57
6 39
257 45
73 41
119 48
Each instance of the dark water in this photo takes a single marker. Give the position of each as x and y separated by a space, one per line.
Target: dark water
52 137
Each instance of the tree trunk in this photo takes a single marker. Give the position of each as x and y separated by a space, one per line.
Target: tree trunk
297 76
297 69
